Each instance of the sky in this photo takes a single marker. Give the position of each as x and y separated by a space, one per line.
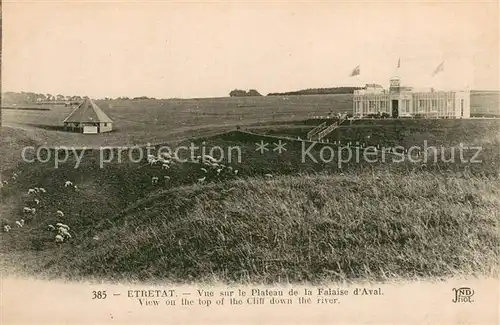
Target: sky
205 49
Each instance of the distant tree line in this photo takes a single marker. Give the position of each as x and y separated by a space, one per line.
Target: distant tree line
128 98
319 91
243 93
19 98
143 97
11 97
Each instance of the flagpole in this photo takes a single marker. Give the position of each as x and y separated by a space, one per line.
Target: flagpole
396 71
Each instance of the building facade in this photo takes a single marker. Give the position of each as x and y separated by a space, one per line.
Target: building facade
398 101
88 127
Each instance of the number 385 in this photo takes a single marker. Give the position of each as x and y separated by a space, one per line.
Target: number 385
99 295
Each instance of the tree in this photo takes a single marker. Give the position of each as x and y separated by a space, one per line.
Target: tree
243 93
30 97
237 93
253 92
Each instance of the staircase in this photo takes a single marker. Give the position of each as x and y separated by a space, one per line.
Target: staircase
321 131
315 131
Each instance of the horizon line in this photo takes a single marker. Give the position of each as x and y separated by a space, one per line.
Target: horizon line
262 95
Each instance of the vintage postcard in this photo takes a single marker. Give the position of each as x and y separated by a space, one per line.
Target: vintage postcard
237 162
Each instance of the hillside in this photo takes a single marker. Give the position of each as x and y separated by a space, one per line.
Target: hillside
312 221
12 141
405 132
295 228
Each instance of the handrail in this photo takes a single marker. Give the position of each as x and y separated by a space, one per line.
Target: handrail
316 130
329 129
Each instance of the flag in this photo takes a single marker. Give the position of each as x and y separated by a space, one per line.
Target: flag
439 68
399 63
355 72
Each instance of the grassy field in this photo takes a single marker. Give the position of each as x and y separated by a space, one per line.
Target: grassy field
485 103
312 221
156 121
373 226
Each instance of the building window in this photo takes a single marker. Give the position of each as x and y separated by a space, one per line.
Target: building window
449 106
105 124
434 105
382 105
372 106
403 108
461 107
441 106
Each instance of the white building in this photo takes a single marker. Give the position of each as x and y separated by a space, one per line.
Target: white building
399 101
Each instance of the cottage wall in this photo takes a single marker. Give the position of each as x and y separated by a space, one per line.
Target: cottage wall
105 127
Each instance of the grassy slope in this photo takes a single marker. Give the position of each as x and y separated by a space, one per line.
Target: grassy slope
310 228
12 141
403 132
109 202
439 133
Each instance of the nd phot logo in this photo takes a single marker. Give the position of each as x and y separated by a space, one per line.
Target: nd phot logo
463 294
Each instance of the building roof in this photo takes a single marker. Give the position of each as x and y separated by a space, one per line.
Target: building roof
87 111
